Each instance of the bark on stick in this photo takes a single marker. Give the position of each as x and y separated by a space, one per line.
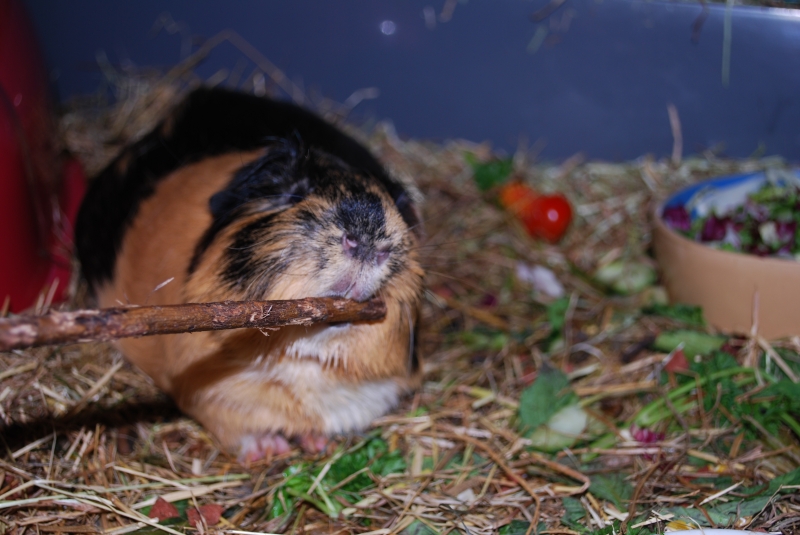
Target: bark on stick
111 323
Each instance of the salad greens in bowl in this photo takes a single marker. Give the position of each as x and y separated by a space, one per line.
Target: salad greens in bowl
731 245
754 213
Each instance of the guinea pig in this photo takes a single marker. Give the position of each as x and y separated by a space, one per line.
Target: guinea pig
236 197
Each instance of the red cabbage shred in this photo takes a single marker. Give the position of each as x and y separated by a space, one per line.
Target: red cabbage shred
765 225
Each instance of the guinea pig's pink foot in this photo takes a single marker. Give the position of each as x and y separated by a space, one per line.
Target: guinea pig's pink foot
313 443
256 447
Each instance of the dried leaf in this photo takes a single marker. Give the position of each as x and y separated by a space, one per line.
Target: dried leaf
678 362
163 510
210 513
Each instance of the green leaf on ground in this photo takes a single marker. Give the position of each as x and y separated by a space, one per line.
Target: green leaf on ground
281 505
771 407
712 363
373 454
688 314
615 529
612 487
484 340
418 527
520 527
694 343
556 313
724 515
736 509
548 394
371 458
574 513
792 479
489 174
784 392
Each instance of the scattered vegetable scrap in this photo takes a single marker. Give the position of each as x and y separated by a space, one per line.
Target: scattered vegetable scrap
543 216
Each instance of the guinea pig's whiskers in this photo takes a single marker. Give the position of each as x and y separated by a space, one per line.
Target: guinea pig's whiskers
463 280
444 210
442 264
157 288
456 240
436 245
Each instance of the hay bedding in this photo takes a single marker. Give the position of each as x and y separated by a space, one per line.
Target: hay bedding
90 444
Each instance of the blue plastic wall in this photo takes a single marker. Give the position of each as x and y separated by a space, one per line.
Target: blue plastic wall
595 76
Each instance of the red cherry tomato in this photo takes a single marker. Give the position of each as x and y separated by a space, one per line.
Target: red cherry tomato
549 217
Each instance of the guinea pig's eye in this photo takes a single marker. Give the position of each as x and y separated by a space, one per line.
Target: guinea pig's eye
381 256
350 244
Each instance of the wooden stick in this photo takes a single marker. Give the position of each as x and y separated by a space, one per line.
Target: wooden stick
112 323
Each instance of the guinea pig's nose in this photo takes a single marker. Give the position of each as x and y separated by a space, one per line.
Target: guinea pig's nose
350 245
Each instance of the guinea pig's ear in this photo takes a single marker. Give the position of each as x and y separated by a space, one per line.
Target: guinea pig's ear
274 180
410 212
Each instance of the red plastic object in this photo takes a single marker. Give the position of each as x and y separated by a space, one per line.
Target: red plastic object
40 190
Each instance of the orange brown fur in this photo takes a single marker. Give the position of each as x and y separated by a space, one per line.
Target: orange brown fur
244 383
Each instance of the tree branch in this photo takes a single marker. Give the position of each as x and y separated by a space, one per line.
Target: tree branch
111 323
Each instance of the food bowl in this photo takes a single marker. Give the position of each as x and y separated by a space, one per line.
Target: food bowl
737 291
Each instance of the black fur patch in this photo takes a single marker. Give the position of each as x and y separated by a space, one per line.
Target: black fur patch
209 122
308 220
362 217
277 178
240 258
396 266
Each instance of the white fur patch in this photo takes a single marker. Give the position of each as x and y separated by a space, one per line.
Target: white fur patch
329 346
341 406
354 407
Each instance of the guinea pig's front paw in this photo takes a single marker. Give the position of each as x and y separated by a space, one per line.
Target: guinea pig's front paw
313 443
256 447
